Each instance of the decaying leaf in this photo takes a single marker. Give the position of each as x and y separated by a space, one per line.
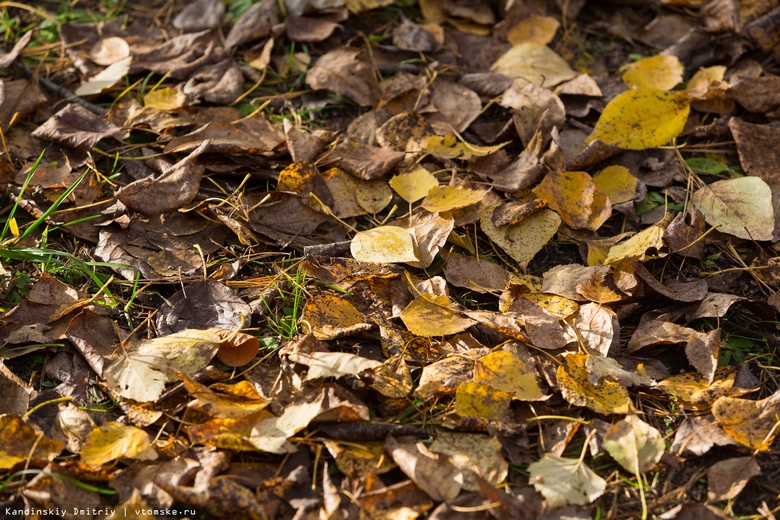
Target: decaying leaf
431 472
726 479
330 317
22 442
332 364
607 396
576 198
751 423
473 454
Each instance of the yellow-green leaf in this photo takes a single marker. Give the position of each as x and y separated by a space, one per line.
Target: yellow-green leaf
741 207
634 444
168 98
642 118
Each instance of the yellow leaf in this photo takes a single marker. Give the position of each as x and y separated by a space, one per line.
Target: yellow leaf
359 6
14 227
505 371
694 392
607 397
473 454
114 440
559 306
168 98
414 185
448 198
473 399
331 317
617 183
751 423
22 443
384 244
431 315
535 63
642 118
522 241
224 405
741 207
298 177
644 244
661 72
450 147
576 198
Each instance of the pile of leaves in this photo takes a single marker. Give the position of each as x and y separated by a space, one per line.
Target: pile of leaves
390 259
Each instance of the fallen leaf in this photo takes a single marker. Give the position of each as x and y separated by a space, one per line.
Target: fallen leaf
75 127
641 119
331 317
576 198
332 364
617 183
727 478
473 454
114 440
448 198
346 72
105 79
414 185
450 147
565 481
522 241
646 244
384 244
141 371
482 402
167 98
634 444
23 443
662 72
741 207
431 315
431 472
696 435
535 63
606 396
751 423
605 367
533 29
255 23
199 15
509 373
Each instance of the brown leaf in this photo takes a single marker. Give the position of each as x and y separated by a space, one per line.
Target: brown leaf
177 57
255 23
306 29
202 304
199 15
346 72
219 83
363 161
726 479
75 127
24 443
172 189
432 473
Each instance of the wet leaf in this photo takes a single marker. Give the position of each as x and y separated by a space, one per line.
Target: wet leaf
634 444
741 207
114 440
565 481
641 119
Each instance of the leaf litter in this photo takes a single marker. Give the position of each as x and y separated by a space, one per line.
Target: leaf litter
490 255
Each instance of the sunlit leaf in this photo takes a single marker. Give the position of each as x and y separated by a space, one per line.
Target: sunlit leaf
332 364
642 118
522 241
431 315
414 185
106 78
607 397
473 399
330 317
576 198
22 443
617 183
167 98
114 440
384 244
448 198
634 444
507 372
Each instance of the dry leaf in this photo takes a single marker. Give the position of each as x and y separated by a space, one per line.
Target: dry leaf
22 442
662 72
522 241
634 444
473 454
431 315
606 396
414 185
431 472
448 198
384 244
576 198
726 479
114 440
507 372
105 79
331 317
751 423
535 63
332 364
